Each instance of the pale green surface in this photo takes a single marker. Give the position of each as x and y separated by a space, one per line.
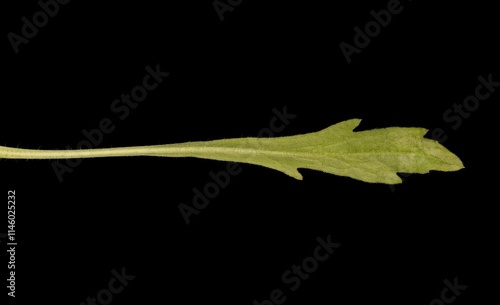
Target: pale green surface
371 156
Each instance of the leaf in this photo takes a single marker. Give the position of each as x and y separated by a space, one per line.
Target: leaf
374 156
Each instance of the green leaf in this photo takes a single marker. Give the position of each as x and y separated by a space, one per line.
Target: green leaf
374 156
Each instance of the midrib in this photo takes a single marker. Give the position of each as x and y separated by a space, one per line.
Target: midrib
166 151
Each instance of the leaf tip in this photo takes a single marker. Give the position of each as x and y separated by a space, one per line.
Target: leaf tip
449 161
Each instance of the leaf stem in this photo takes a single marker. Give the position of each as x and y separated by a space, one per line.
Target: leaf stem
150 150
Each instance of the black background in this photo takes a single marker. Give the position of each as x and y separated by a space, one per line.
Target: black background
226 77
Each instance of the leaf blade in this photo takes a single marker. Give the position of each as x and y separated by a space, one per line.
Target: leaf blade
374 156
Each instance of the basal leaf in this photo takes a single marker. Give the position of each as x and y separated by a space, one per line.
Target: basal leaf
375 155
